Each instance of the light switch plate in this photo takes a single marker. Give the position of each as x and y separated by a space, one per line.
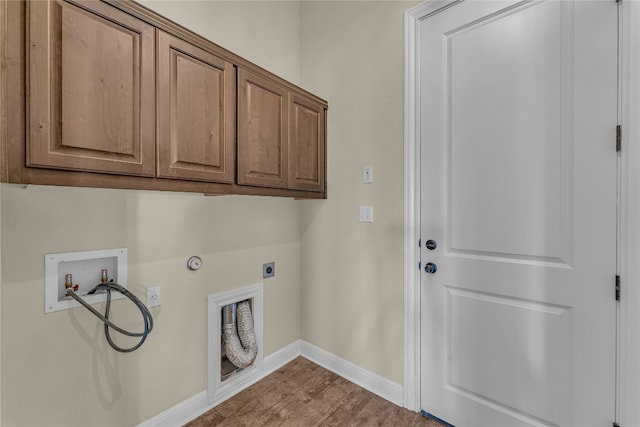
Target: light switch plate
367 175
365 214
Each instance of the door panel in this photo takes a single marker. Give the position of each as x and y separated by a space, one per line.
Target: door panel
529 352
306 144
263 145
518 108
196 110
91 89
522 134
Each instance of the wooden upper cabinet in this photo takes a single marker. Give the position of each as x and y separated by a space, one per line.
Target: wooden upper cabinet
306 144
119 96
91 89
262 131
281 136
196 113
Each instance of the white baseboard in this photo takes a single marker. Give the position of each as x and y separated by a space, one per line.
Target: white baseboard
195 406
376 384
181 413
281 357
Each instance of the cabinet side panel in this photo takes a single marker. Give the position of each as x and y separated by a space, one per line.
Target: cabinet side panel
4 131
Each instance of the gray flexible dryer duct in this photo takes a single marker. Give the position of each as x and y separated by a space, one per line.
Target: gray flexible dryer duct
239 341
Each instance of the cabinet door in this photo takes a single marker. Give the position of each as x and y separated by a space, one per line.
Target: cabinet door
307 144
262 132
91 89
196 113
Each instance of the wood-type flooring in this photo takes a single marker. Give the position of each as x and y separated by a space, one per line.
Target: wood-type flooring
301 394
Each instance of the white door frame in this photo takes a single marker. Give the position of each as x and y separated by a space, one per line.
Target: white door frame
628 372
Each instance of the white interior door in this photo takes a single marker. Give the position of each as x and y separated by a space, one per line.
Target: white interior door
518 112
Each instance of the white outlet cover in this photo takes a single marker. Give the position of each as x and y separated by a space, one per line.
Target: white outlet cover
153 297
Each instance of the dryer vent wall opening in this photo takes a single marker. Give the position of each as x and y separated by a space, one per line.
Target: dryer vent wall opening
239 345
234 340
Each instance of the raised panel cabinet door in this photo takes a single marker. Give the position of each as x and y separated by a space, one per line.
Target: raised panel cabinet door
262 132
307 144
91 89
196 113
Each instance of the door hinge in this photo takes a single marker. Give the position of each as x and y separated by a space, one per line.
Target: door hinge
420 265
617 287
420 242
618 138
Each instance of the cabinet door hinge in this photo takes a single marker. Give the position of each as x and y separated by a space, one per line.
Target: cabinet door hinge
420 265
420 242
617 287
618 138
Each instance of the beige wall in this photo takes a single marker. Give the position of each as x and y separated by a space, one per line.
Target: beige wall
346 277
264 32
57 368
352 273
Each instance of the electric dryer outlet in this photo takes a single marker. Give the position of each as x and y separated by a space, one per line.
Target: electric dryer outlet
268 270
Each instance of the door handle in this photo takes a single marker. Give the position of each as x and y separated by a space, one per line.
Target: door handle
430 268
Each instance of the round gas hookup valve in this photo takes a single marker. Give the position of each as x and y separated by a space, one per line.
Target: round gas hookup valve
194 263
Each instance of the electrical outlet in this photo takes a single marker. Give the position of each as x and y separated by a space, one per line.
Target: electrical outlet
268 270
153 297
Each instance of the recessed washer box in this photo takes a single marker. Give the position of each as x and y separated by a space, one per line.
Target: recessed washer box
86 270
